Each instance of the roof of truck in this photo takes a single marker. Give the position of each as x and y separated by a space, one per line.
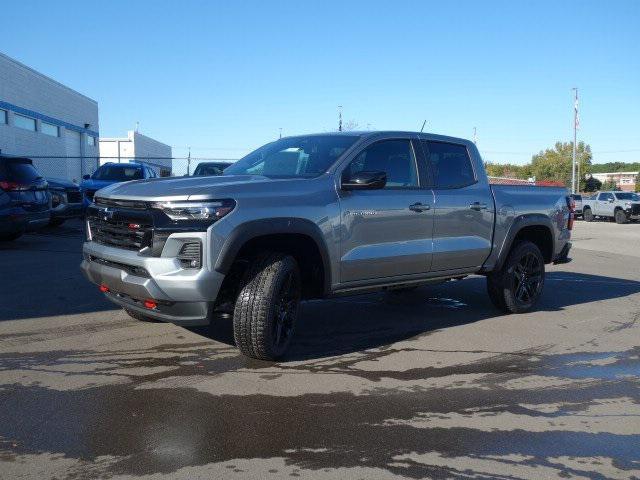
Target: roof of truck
373 133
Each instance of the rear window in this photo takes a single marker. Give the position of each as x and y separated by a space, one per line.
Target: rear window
210 169
18 172
450 164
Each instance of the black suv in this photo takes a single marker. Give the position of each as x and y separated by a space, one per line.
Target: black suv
25 203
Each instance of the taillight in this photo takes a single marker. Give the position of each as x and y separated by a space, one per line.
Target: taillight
571 203
12 186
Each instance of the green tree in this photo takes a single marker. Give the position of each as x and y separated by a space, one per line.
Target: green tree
637 183
592 184
609 185
555 163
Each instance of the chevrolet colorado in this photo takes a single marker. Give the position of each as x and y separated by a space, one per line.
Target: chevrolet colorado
615 205
319 215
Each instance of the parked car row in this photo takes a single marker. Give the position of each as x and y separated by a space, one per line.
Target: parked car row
28 201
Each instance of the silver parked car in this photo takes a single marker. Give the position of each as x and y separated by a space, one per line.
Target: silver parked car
320 215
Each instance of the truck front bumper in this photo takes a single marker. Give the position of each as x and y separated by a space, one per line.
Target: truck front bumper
181 296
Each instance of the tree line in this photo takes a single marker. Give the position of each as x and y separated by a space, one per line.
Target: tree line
555 164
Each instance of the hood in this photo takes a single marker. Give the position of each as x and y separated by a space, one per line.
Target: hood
60 183
185 188
95 184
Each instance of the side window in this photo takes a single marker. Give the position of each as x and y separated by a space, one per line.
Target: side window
450 164
394 157
605 196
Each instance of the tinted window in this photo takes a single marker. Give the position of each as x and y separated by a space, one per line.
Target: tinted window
395 157
117 173
18 172
450 164
293 157
576 197
3 116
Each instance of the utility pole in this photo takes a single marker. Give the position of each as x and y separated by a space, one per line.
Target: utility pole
188 161
280 133
475 139
339 118
575 137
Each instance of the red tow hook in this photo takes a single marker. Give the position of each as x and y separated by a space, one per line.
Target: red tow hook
103 288
150 304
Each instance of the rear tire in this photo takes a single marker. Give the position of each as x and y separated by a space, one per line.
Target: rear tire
517 286
267 306
139 316
621 217
587 215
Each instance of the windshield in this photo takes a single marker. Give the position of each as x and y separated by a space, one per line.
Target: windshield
295 157
210 169
628 196
118 173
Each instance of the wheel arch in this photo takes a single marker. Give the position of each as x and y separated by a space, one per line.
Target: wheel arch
299 237
536 228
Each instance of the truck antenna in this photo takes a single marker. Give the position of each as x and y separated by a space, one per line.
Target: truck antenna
423 124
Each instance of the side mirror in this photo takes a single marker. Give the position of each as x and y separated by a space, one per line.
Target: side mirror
86 177
365 181
611 200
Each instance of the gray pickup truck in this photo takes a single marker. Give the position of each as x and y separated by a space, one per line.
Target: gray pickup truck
618 206
315 216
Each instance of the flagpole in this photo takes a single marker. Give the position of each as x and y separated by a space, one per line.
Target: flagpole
575 136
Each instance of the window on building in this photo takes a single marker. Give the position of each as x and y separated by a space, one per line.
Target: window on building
49 129
27 123
91 141
3 116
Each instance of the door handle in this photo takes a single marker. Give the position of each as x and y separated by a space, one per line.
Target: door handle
477 206
419 207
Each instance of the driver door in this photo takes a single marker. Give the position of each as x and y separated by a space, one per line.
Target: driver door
386 232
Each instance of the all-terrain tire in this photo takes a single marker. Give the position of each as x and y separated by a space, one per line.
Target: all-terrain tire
517 286
621 217
267 306
587 215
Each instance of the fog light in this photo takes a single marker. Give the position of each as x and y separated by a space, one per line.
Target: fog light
150 304
103 288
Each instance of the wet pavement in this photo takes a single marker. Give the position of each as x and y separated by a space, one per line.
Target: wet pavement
433 383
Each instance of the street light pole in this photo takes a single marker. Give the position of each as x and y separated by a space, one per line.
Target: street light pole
575 137
339 118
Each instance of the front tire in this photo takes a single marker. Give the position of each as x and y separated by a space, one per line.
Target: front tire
587 215
56 222
517 286
267 306
9 237
621 217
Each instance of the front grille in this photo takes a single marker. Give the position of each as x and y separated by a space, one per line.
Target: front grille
121 234
635 209
129 204
74 195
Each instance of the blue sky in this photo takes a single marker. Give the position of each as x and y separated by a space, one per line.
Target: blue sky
223 77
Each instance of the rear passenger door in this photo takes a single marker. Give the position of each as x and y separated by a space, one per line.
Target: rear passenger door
463 213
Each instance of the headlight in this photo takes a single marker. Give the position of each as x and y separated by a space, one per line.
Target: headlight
206 211
627 204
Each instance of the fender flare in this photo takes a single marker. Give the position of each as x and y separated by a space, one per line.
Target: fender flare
270 226
520 222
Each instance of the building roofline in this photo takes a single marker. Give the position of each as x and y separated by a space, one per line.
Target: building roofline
42 75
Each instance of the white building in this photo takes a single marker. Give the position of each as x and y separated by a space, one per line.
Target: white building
137 147
40 117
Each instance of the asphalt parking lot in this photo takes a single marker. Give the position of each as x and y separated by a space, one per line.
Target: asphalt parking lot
434 383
